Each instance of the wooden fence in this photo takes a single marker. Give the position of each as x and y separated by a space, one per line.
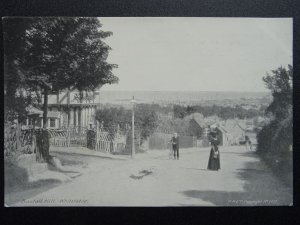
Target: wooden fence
73 136
109 142
24 141
96 139
17 140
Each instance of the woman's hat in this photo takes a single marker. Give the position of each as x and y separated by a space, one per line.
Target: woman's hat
213 133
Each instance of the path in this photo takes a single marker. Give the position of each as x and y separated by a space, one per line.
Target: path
152 179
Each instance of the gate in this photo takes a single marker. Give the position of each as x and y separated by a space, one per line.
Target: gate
108 142
73 136
96 139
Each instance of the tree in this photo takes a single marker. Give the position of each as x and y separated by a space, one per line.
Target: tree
65 52
14 42
179 111
112 117
280 84
145 119
277 136
55 54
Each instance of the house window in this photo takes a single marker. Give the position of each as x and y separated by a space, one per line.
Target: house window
52 122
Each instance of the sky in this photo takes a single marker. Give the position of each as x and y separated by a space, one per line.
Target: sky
196 54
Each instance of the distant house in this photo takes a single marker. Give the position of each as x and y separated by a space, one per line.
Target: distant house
224 136
236 128
196 126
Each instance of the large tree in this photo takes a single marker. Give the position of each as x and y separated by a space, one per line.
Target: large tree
54 54
61 52
277 136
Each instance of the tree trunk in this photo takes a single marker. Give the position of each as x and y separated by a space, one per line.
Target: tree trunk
42 146
45 109
68 107
42 137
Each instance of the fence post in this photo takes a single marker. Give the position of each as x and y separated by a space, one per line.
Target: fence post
194 142
68 137
33 142
18 131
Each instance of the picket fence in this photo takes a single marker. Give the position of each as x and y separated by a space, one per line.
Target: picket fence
67 137
109 142
17 140
101 140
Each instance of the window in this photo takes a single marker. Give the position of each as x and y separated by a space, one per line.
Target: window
52 122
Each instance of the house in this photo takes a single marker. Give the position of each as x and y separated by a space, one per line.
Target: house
224 136
236 128
33 117
197 124
65 109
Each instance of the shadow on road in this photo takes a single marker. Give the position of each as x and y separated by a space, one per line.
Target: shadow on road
260 188
28 190
193 168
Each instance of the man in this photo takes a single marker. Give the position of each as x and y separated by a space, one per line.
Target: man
175 145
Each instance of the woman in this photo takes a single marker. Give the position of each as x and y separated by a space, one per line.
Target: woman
214 157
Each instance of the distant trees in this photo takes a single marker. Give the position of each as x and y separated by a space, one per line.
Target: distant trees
170 125
277 136
111 117
145 119
224 112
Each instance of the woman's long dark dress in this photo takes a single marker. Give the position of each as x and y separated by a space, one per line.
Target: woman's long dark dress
214 163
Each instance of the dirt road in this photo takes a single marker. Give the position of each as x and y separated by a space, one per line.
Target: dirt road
152 179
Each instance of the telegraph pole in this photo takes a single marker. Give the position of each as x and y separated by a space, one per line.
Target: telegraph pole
132 128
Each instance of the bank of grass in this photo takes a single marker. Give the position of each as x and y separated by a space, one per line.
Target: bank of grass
281 166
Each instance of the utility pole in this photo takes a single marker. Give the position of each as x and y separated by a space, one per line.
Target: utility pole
132 128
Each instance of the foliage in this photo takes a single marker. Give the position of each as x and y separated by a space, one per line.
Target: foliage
179 111
114 116
65 52
224 112
277 136
170 125
280 84
145 119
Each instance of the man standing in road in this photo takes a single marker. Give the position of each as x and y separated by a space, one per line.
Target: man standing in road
175 145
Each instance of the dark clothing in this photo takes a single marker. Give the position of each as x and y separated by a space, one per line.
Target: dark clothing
175 141
214 162
175 145
176 151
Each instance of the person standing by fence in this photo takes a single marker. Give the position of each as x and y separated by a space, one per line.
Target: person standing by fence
175 145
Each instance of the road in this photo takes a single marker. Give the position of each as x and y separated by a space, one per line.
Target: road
152 179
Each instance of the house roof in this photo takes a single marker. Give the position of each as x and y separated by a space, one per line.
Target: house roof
74 98
220 127
199 121
33 111
235 127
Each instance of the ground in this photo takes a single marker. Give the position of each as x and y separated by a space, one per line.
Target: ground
152 179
